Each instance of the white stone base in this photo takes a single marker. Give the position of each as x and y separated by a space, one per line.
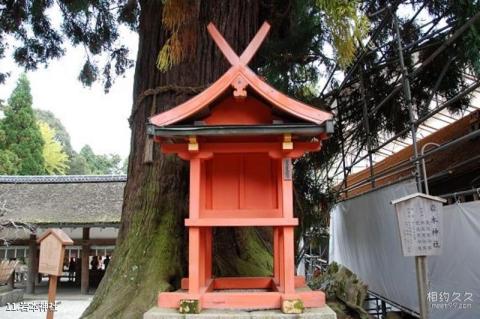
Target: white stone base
11 296
309 313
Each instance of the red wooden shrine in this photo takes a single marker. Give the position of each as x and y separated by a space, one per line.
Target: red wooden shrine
240 135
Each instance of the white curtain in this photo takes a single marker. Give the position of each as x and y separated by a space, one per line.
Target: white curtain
364 237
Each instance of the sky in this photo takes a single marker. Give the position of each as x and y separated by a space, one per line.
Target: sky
89 115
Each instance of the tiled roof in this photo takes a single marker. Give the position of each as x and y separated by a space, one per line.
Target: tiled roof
62 200
60 179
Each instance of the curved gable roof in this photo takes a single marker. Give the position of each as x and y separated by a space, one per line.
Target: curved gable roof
240 76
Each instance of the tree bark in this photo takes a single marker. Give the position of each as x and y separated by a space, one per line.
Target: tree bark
151 249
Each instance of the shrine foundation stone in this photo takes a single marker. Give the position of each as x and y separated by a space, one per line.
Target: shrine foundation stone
8 295
309 313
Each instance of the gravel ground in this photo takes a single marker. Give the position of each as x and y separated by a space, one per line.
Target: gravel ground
66 309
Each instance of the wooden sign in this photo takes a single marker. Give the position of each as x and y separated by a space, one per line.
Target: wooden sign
52 251
420 222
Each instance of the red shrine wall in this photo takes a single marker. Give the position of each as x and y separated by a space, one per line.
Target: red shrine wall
241 186
239 111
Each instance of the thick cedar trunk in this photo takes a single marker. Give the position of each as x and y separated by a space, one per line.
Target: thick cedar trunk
151 248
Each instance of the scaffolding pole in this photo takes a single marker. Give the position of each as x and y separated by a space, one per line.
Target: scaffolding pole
366 124
342 145
420 261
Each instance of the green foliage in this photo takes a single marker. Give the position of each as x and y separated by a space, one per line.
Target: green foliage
342 20
296 54
291 56
86 162
61 134
91 24
78 165
170 54
468 47
22 136
179 18
313 195
55 159
347 27
9 161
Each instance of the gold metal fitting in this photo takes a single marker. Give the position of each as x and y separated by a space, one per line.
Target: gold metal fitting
192 144
287 142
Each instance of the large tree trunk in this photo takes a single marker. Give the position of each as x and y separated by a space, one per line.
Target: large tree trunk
152 244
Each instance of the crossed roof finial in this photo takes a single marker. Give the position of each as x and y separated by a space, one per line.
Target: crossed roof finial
248 53
239 77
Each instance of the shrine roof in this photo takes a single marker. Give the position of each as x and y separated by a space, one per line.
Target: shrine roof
62 201
305 129
243 81
59 234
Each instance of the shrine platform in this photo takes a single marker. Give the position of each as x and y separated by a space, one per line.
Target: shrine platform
309 313
246 293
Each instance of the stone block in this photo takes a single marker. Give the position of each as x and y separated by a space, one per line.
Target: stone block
189 306
309 313
293 306
11 296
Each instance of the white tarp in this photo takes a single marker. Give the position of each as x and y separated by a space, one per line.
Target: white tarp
364 237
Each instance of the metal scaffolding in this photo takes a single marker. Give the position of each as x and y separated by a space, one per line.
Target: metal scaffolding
354 154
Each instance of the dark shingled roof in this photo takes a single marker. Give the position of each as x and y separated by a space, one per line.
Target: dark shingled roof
60 179
67 201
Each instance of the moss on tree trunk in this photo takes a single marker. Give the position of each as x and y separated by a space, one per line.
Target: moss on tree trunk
151 248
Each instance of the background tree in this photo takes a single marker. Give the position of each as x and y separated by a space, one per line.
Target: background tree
78 166
61 134
382 76
85 162
150 249
99 164
9 161
22 136
55 159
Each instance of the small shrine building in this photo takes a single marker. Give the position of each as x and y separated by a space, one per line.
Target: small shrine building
239 136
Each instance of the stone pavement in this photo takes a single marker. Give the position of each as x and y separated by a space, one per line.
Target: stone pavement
66 309
310 313
71 304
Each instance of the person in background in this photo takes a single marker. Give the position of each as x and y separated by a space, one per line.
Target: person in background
71 269
94 263
106 261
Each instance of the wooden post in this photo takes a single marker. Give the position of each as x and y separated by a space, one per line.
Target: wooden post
32 264
288 240
84 282
289 261
281 257
276 254
202 261
194 260
52 291
194 232
208 252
